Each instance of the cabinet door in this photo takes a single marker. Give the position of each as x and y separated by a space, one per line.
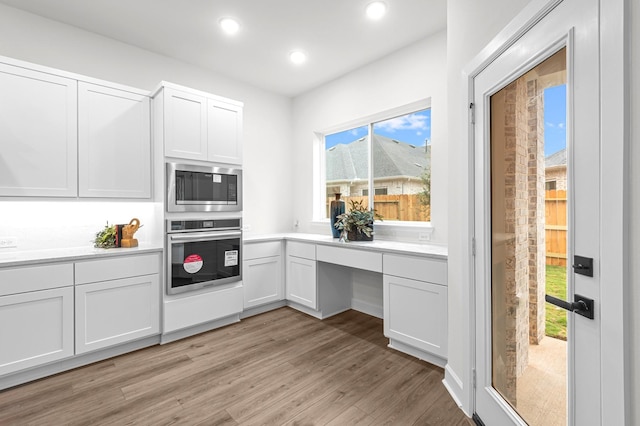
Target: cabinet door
301 281
185 122
262 281
118 311
114 143
415 313
224 132
38 134
35 328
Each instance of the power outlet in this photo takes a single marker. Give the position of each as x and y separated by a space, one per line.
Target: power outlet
424 236
8 242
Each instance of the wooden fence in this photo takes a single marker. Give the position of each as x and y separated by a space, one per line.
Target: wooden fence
395 207
556 227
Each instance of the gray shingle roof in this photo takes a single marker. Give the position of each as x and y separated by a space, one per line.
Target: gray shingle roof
556 159
391 158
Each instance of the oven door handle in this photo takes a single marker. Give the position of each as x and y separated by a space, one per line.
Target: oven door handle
205 236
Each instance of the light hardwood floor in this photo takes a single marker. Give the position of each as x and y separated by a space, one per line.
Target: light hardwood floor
278 368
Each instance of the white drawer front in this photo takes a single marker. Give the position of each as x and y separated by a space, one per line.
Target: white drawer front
200 308
416 268
354 258
304 250
260 250
32 278
115 268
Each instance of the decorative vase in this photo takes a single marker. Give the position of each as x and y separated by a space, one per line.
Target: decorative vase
336 209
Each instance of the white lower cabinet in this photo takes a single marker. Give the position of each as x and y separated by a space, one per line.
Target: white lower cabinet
262 274
415 306
415 313
113 312
301 275
35 328
117 301
36 315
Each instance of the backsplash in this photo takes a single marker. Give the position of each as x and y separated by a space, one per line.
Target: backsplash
70 223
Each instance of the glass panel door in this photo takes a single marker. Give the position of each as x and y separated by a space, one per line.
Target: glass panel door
529 242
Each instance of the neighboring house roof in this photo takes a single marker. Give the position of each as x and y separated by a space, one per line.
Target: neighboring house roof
391 158
556 159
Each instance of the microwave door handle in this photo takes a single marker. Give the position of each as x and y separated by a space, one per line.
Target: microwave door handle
206 236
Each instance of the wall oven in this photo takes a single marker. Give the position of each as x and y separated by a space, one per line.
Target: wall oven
196 188
202 253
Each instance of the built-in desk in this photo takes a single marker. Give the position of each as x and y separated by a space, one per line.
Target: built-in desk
403 283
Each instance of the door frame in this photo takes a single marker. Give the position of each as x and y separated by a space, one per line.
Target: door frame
614 250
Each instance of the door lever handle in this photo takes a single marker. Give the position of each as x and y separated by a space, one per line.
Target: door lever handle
581 305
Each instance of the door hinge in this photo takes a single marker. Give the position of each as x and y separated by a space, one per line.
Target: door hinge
472 113
474 378
473 247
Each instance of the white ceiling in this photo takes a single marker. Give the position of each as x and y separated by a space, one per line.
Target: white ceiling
335 33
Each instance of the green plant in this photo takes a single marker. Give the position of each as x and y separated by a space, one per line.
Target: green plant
106 238
358 220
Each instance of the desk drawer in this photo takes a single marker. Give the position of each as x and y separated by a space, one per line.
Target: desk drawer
303 250
416 268
354 258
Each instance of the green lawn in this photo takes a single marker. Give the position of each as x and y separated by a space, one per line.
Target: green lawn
556 318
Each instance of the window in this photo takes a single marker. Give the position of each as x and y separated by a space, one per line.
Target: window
376 191
391 158
550 185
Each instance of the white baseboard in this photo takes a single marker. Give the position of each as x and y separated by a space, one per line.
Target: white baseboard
420 354
262 309
56 367
367 308
200 328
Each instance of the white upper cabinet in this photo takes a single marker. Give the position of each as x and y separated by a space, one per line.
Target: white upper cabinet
38 133
224 132
185 125
114 143
198 125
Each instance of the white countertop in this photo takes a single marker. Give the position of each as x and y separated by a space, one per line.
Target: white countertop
436 251
32 257
69 254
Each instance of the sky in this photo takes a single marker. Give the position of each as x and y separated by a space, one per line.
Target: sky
412 128
415 128
555 119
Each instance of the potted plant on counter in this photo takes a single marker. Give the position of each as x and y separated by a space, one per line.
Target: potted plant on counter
357 223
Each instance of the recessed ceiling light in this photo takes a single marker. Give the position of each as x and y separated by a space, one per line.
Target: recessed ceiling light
298 57
376 10
229 25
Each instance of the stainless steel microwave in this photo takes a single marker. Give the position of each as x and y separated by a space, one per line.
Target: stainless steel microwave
196 188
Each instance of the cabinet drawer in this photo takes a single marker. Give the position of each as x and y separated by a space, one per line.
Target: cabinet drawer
354 258
202 307
260 250
304 250
32 278
416 268
116 268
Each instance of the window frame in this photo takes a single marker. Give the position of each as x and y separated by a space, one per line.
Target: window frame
319 174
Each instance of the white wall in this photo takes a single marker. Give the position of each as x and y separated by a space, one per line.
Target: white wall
634 256
267 121
408 75
470 26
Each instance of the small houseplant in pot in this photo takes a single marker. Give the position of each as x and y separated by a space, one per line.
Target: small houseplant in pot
357 223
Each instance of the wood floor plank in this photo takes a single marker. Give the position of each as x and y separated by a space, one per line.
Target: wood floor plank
281 367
